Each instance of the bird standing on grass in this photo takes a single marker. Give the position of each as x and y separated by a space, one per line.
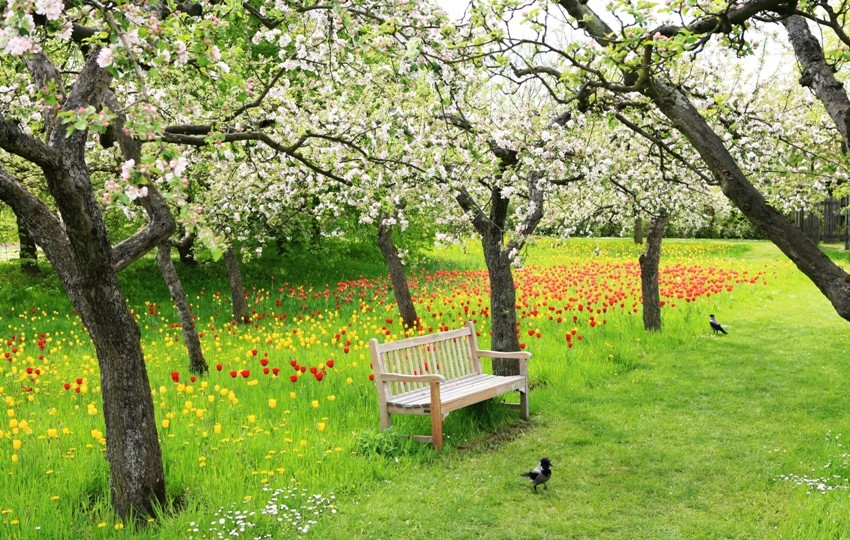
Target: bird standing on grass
540 474
715 326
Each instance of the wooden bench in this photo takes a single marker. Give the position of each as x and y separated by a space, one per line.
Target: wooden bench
438 373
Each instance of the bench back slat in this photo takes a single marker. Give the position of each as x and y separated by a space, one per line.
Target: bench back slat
450 354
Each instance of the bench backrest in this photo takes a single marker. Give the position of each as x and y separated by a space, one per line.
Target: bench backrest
452 354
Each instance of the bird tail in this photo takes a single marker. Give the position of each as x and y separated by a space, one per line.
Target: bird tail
722 330
526 474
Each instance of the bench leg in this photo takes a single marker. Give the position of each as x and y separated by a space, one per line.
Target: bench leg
436 418
386 420
523 405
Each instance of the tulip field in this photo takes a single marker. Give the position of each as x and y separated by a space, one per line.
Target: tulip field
284 427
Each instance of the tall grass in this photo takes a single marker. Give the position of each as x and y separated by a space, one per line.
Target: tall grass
671 434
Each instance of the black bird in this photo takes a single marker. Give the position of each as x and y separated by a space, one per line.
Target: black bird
715 326
540 474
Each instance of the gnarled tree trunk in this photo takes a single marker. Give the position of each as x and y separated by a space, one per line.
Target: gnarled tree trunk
497 256
401 289
186 250
237 287
649 262
197 363
28 250
78 247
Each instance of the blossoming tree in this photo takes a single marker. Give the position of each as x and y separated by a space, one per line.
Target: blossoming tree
172 77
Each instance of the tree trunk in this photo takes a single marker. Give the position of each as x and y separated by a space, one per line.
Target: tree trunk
638 233
502 302
28 250
401 289
186 250
649 262
502 288
237 287
832 281
818 75
197 363
81 254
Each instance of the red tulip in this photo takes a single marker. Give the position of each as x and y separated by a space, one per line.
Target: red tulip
276 371
293 378
264 362
245 373
320 375
67 386
193 378
234 373
330 363
266 370
219 367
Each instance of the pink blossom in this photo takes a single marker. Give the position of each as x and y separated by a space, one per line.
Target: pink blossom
127 169
18 45
52 9
105 58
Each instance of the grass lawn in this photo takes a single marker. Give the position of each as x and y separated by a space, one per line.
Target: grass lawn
677 434
701 436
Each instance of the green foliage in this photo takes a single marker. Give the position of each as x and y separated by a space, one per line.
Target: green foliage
386 444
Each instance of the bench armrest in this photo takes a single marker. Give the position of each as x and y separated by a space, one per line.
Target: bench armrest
519 355
398 377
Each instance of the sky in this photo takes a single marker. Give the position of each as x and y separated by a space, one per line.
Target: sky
776 51
453 7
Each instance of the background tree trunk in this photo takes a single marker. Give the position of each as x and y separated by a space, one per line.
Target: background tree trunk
197 363
649 262
186 250
638 232
237 287
401 289
28 250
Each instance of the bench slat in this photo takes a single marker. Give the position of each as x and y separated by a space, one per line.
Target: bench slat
458 389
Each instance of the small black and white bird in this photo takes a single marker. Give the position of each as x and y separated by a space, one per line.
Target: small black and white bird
715 326
540 474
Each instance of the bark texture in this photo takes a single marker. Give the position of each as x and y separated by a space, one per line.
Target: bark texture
237 287
28 252
649 263
197 363
401 289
